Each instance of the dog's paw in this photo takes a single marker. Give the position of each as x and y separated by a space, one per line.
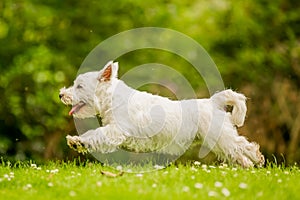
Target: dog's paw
74 142
244 162
251 156
260 158
253 153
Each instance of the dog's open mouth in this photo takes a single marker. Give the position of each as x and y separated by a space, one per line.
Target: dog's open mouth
76 107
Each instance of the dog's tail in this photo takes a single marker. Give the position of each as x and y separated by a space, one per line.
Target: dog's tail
236 100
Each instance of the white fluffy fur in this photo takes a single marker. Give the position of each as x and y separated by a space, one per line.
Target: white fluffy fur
142 122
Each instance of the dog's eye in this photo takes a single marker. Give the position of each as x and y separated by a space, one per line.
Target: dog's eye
79 86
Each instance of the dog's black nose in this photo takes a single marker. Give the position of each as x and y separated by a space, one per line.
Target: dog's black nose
60 95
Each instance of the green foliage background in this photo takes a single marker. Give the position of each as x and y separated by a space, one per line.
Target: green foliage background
255 44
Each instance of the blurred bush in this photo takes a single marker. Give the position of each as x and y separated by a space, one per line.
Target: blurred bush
255 45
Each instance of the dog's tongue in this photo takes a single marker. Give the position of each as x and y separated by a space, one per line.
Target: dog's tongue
75 108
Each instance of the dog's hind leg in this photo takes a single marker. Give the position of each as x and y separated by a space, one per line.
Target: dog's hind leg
237 149
103 139
220 136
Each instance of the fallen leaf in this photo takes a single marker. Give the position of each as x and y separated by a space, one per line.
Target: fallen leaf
110 174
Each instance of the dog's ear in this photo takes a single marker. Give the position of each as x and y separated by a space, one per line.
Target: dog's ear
109 71
115 69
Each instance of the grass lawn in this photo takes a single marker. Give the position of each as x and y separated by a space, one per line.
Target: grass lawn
190 181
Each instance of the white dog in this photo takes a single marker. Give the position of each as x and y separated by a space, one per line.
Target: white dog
142 122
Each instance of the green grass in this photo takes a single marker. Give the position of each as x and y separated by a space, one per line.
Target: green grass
191 181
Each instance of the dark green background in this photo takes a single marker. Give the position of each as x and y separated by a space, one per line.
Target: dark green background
254 43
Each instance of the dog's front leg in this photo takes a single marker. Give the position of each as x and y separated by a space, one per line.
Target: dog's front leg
103 139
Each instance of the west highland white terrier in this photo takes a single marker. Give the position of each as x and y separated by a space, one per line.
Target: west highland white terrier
142 122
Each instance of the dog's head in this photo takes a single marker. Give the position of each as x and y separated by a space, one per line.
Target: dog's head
81 94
